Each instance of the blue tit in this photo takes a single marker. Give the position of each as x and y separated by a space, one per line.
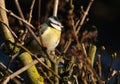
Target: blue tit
50 32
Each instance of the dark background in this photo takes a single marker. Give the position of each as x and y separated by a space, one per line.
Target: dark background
106 16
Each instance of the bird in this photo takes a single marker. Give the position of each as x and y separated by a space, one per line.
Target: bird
50 34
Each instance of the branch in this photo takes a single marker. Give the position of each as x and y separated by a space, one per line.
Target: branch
30 30
9 28
17 17
39 12
113 73
3 67
89 65
84 16
56 2
31 10
41 69
99 65
4 19
19 10
20 71
19 45
29 20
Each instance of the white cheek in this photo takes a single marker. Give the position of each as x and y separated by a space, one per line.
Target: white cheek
56 26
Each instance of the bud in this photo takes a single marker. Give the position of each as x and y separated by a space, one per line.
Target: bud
102 48
114 55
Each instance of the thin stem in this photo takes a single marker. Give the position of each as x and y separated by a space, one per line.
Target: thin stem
20 71
89 65
9 29
31 10
29 20
30 30
56 71
17 17
2 66
39 12
40 68
19 9
99 65
84 16
114 73
38 59
56 2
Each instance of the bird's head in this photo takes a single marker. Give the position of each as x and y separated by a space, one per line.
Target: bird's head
54 22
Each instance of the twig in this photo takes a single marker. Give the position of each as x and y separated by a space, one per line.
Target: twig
47 67
31 10
20 71
77 23
9 28
3 16
84 50
19 45
39 12
45 75
110 71
29 20
65 50
75 33
76 79
30 30
27 67
88 65
113 73
81 23
39 60
67 45
55 10
84 16
19 10
99 65
56 2
17 17
2 66
24 48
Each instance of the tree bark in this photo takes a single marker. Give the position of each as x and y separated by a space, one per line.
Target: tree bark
33 74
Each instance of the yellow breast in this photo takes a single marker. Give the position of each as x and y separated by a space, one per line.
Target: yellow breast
51 38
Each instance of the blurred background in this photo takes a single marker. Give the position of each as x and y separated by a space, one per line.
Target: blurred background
104 14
